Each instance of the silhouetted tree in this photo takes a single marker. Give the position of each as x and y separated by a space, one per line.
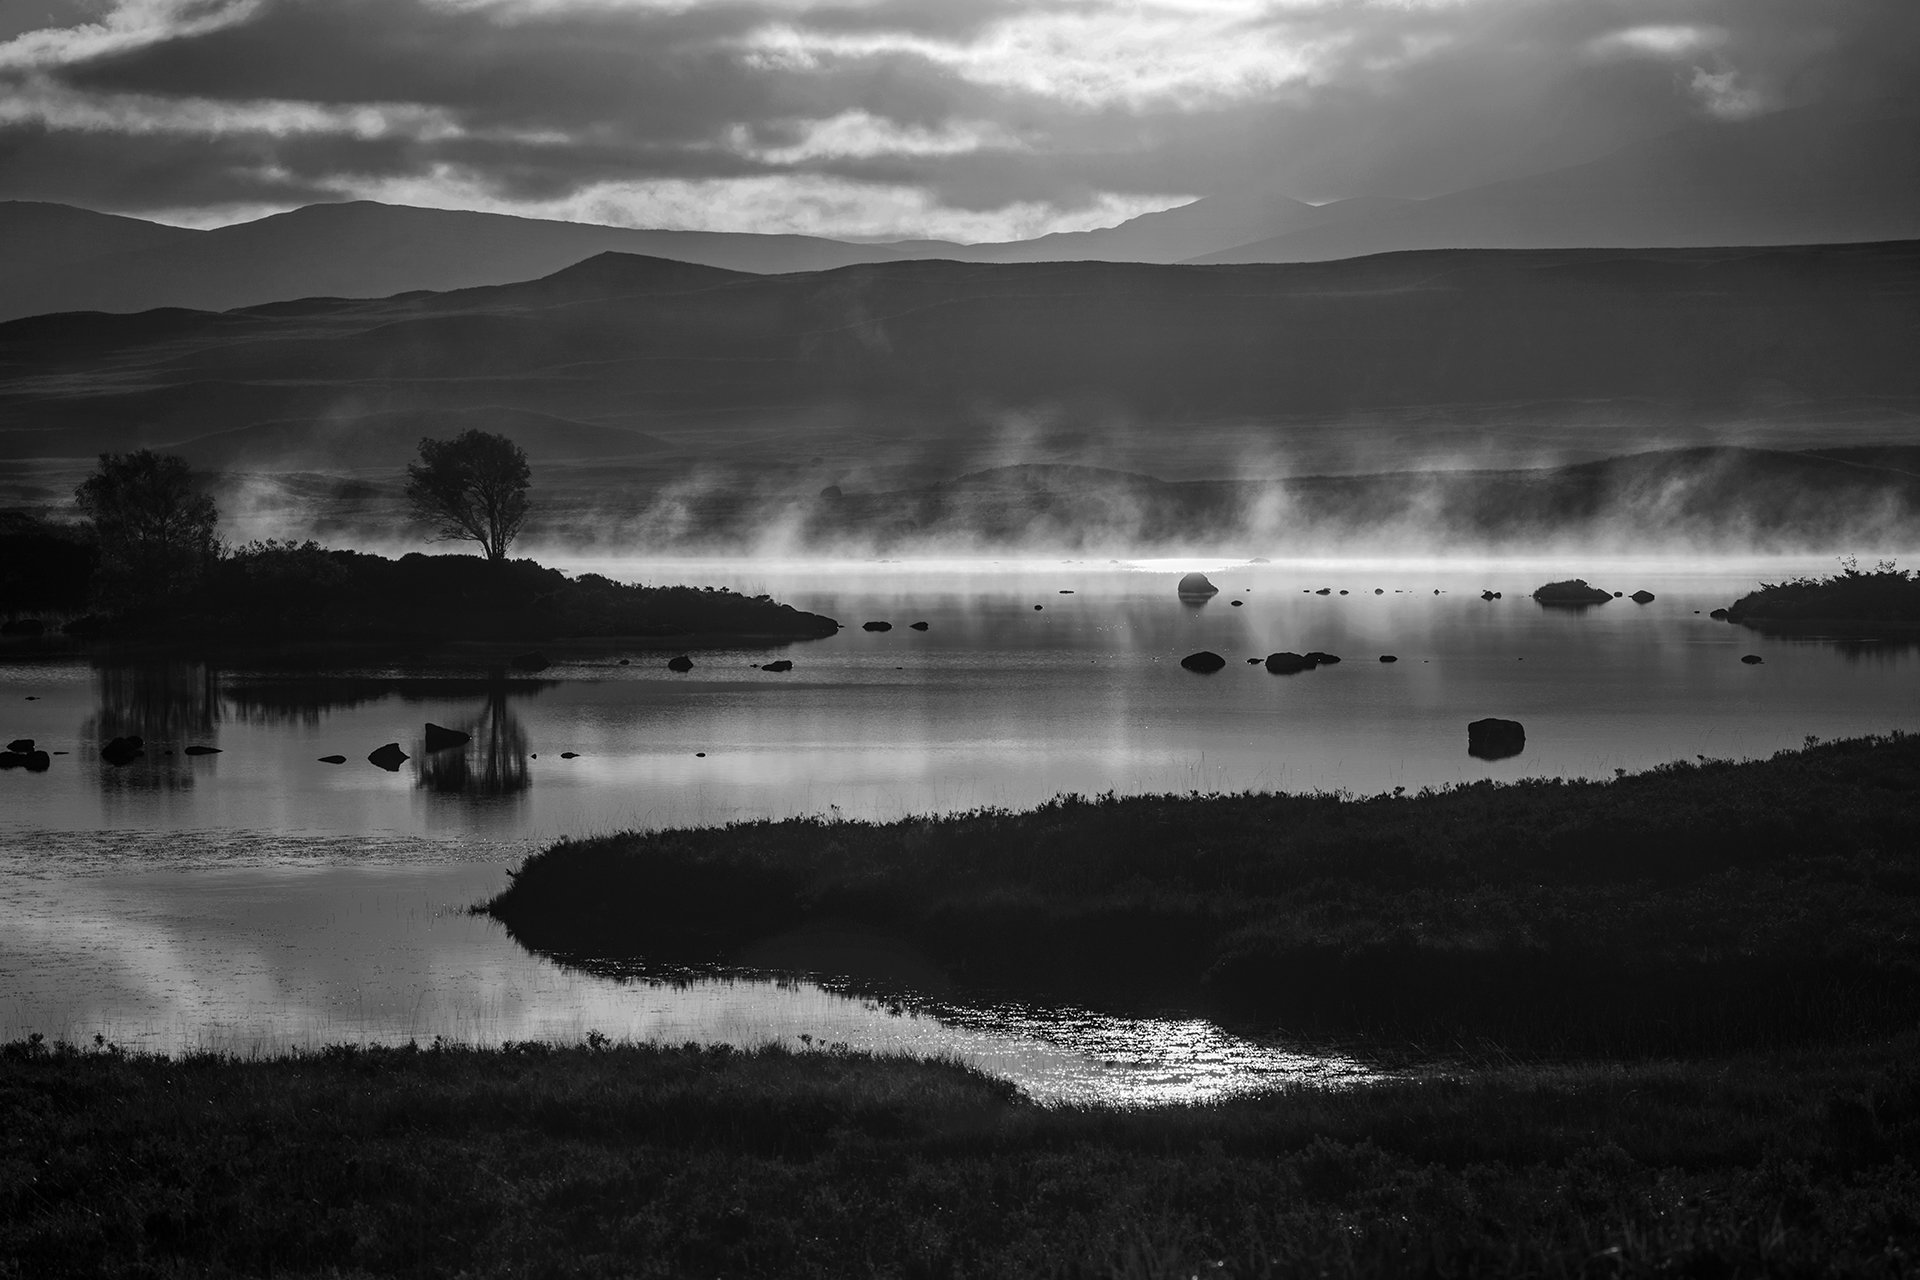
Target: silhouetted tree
472 487
155 529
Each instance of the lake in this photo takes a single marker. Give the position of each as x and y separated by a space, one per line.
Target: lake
257 898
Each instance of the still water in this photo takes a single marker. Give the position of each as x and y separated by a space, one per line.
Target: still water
258 898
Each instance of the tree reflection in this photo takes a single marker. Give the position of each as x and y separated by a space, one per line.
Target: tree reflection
492 763
171 705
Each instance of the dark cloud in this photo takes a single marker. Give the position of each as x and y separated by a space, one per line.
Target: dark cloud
979 105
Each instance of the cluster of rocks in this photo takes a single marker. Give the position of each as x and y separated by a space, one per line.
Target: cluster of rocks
22 754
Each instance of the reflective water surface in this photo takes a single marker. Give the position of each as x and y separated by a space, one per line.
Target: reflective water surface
258 897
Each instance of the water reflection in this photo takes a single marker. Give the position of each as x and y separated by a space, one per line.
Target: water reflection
169 706
274 700
493 762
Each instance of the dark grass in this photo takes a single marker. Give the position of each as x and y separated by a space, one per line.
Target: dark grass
1695 908
598 1160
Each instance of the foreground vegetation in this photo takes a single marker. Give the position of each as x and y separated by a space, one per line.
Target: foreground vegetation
1695 908
609 1160
1887 594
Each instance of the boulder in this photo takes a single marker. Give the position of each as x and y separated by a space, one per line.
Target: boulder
389 757
441 739
886 626
1238 603
682 663
123 751
916 626
1718 615
1324 591
197 750
20 744
530 662
1752 659
1642 597
333 759
569 755
1388 657
31 761
1205 662
1573 592
1286 663
1196 584
1492 739
779 664
1323 659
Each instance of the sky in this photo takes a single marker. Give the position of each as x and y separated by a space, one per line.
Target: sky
956 119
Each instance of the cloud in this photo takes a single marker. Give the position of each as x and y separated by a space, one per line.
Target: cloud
975 118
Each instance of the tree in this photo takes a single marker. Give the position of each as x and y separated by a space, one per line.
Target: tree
156 530
473 487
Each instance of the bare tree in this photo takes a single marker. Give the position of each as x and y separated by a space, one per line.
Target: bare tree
473 488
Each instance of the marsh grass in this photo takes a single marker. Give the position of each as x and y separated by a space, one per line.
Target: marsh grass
1701 907
602 1159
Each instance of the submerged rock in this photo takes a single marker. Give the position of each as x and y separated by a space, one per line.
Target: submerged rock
1492 739
441 739
1286 663
389 757
1573 592
1205 662
1196 584
682 663
122 751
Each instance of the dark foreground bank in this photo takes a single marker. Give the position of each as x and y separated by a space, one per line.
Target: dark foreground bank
1695 908
587 1161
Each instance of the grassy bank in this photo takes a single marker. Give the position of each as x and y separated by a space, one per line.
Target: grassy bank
1694 908
1885 594
534 1161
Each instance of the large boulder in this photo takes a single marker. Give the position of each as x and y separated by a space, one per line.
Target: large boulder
389 757
31 761
1573 593
1205 662
1492 739
1196 586
443 739
1286 663
20 744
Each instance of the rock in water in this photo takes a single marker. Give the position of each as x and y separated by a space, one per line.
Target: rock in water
1492 739
1752 659
1196 585
1205 662
876 626
1718 615
779 664
389 757
30 760
917 626
20 744
201 751
1642 597
1572 591
1286 663
1388 657
333 759
1320 659
122 751
681 663
439 739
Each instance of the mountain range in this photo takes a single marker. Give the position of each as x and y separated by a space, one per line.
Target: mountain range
1798 177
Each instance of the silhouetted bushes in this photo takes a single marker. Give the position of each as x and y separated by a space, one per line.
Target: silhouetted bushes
1887 594
1695 906
45 566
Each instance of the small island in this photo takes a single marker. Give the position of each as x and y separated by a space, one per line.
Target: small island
1886 594
1573 592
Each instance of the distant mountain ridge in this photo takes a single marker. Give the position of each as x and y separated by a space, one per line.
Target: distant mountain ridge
1813 176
